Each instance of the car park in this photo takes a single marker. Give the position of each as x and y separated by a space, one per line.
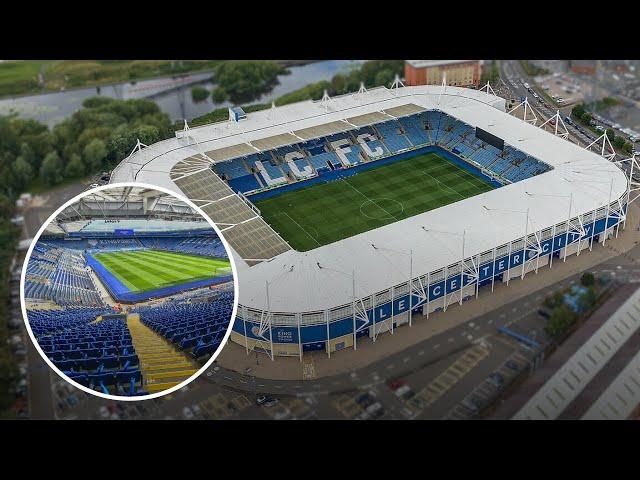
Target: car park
282 414
365 400
405 392
473 403
394 385
496 379
511 365
187 413
363 416
375 410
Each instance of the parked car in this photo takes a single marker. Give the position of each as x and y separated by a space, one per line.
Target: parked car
405 392
473 403
365 400
396 384
511 365
376 410
187 413
496 379
544 313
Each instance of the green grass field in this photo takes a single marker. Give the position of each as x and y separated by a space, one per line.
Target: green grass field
142 270
328 212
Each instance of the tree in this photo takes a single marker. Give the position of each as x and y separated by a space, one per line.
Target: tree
199 93
247 79
148 134
385 78
51 169
618 141
22 171
75 167
587 279
94 155
611 134
27 154
588 299
578 111
586 118
218 95
561 319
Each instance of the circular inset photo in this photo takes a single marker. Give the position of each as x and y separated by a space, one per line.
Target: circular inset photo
129 291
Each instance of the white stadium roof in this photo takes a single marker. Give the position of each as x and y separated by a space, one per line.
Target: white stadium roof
297 284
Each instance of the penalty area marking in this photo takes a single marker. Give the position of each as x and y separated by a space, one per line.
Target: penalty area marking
440 184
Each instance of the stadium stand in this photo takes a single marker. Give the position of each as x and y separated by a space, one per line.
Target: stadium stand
90 346
297 162
60 275
196 327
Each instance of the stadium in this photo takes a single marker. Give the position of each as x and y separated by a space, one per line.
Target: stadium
128 291
352 216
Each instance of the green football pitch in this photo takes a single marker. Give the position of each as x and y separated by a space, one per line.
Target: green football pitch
141 270
327 212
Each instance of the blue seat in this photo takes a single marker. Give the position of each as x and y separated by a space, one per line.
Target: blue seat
102 380
129 361
109 362
81 378
205 349
88 364
132 378
66 364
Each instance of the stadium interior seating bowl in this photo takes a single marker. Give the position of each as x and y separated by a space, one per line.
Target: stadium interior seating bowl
315 157
90 340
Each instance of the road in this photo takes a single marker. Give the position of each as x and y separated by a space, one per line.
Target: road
512 77
41 399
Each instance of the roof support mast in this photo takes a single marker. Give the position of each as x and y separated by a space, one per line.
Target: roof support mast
557 121
527 110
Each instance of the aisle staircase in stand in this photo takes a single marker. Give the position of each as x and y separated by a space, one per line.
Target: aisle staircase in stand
162 365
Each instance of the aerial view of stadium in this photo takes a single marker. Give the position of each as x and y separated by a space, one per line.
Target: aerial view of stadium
350 239
129 291
354 215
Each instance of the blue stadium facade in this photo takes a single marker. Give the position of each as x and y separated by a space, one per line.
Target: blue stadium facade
432 288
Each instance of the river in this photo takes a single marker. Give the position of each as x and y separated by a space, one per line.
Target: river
173 95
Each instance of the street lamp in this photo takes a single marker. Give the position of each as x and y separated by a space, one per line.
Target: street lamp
462 263
526 234
566 240
352 275
409 285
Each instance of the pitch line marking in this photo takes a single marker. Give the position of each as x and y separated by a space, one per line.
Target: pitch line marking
302 228
468 174
372 201
442 184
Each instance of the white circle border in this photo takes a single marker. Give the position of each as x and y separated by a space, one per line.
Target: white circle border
182 384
